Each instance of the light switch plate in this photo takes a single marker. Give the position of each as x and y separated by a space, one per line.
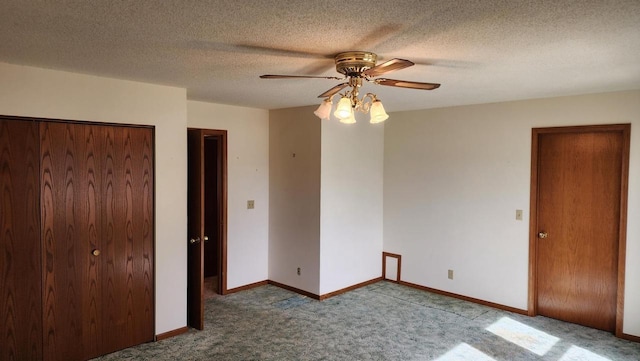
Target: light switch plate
518 214
250 204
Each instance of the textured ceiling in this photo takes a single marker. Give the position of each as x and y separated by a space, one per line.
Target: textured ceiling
481 51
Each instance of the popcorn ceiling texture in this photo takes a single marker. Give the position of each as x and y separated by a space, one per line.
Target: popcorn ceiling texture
481 51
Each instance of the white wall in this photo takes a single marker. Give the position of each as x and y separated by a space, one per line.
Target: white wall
294 188
351 203
326 202
248 179
34 92
453 178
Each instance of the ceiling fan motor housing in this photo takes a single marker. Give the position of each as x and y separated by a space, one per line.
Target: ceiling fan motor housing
353 63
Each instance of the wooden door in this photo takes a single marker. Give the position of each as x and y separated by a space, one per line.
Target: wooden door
70 196
20 255
97 230
581 190
126 244
195 250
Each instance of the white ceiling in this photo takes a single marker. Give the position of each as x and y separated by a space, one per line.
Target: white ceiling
480 51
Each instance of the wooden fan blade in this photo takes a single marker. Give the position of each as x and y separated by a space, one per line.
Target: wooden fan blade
407 84
333 91
270 76
387 66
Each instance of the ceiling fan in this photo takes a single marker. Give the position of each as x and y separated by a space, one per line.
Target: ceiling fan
357 66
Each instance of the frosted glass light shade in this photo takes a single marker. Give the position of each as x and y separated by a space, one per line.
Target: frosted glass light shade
343 110
377 113
350 119
324 110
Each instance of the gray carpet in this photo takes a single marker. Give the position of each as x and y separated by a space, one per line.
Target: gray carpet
383 321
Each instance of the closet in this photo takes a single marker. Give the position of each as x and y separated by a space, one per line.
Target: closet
76 246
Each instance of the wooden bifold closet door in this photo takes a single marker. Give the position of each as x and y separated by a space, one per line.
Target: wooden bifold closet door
77 239
20 262
97 232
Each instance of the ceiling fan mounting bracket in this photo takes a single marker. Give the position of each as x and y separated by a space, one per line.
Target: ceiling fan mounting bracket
353 63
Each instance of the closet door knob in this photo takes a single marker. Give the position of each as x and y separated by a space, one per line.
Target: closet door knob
95 252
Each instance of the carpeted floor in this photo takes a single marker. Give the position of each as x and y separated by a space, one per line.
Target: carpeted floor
383 321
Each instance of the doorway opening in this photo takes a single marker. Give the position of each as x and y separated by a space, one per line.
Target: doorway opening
578 222
207 220
212 212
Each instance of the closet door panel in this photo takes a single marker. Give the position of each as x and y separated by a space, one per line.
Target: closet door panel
127 279
70 196
90 225
97 235
20 254
142 226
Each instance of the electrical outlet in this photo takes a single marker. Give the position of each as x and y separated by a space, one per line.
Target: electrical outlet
450 274
250 204
518 214
298 271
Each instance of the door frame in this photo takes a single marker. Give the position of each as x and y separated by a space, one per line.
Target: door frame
192 267
625 129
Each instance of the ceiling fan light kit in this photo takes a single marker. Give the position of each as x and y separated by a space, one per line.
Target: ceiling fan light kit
357 66
378 115
349 103
324 110
350 119
343 110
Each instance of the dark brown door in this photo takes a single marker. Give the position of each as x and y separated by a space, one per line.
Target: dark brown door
195 250
71 226
97 231
20 255
580 175
126 242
